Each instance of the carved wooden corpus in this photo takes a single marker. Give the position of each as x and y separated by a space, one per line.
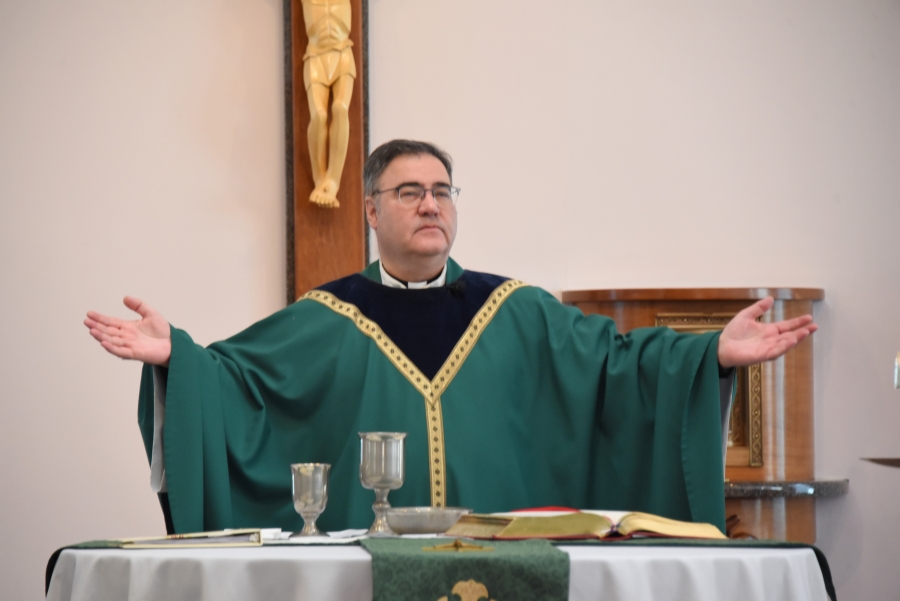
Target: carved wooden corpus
327 243
771 436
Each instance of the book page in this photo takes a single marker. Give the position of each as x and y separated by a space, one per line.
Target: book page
567 525
647 522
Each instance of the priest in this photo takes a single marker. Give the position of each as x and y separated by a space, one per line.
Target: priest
509 398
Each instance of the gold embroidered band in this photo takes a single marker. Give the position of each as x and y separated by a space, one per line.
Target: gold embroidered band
430 390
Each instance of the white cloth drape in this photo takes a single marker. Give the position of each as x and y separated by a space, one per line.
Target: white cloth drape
610 573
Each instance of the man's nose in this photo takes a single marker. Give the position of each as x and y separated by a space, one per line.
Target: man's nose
428 204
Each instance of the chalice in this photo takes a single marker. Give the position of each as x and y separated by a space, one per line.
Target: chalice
381 470
310 494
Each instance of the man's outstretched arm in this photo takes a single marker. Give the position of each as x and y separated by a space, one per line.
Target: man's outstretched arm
147 339
745 341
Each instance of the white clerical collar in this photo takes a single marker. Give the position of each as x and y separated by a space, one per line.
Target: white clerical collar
392 282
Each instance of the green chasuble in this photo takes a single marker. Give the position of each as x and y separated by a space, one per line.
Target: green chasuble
510 400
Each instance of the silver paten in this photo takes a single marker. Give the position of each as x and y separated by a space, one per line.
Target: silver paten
423 520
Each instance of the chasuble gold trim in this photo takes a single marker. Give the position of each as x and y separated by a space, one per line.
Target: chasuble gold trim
430 390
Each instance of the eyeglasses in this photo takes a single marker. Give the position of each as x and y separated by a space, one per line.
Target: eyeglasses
410 195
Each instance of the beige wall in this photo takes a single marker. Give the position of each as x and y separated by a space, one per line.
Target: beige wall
598 144
141 152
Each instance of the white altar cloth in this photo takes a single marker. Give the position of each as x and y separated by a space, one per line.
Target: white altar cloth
610 573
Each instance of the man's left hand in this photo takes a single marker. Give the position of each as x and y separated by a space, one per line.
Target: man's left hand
745 341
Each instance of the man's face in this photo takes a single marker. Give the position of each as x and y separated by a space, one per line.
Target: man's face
407 235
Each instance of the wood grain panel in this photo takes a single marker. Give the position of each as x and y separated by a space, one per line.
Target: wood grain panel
684 294
629 315
792 519
328 243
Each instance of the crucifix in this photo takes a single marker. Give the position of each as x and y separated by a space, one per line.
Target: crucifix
326 140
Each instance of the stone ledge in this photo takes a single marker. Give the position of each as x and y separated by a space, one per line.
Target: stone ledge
818 489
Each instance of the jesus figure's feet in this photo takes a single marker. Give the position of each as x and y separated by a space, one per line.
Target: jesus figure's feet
325 194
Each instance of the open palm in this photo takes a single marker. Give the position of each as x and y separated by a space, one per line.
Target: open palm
147 339
746 341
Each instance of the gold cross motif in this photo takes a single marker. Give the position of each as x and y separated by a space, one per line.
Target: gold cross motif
458 546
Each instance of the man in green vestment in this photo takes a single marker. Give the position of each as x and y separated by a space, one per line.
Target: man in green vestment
509 398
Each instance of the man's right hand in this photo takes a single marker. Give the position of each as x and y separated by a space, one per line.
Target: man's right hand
148 339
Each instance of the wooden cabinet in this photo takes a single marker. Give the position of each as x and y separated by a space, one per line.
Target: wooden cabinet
771 433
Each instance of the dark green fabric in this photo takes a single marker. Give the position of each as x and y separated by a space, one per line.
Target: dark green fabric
145 413
552 407
532 569
373 272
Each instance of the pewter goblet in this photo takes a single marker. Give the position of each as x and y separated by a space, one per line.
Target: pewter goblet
381 468
310 494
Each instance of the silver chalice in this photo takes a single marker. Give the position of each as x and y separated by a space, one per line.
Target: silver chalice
310 494
381 469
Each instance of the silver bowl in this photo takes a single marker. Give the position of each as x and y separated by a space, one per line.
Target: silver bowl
423 520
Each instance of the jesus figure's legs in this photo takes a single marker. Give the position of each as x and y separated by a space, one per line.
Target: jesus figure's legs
327 174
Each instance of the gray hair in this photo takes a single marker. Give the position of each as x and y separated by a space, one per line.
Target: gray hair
382 156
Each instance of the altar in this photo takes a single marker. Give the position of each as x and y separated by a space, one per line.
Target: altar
611 572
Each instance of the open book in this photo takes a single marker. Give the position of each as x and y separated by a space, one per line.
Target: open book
577 525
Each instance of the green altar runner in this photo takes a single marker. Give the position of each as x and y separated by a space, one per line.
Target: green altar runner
438 568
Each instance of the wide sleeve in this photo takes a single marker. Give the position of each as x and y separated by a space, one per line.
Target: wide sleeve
656 429
660 425
188 448
238 413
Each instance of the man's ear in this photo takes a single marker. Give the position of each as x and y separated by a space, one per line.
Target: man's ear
371 212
